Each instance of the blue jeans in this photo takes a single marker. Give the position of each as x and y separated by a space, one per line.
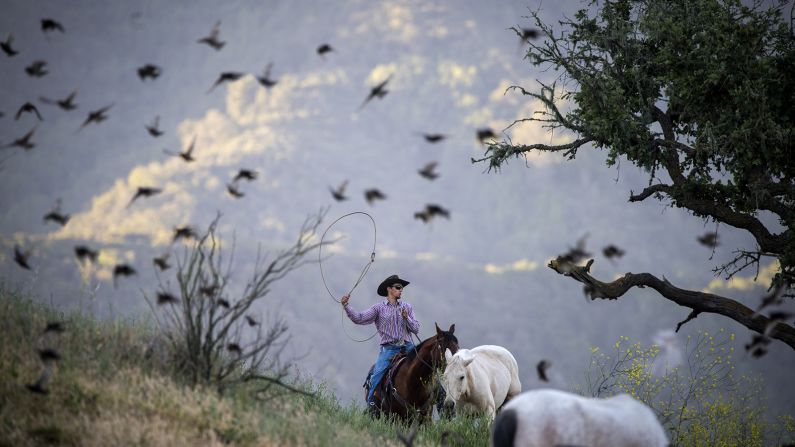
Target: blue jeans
382 363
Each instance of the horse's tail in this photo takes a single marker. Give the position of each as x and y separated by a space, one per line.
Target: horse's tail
504 429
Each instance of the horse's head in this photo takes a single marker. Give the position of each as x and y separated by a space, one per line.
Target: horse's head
444 340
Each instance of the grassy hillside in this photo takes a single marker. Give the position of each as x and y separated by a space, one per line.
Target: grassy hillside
108 389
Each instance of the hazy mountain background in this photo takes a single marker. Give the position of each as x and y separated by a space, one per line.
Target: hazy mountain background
450 63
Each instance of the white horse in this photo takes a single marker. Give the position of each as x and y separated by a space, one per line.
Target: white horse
546 417
481 379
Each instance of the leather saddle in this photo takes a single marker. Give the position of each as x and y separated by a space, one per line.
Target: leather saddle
386 380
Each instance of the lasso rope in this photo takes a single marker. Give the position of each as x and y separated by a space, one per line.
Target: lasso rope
361 275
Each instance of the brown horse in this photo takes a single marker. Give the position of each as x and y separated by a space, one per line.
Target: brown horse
411 390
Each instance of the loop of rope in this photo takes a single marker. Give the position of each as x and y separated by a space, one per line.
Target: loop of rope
361 275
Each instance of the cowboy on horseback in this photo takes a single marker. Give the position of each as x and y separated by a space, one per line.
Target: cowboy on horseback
394 321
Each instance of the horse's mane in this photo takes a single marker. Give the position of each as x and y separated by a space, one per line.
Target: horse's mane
413 353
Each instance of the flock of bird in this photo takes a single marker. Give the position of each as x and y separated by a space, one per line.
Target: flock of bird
149 73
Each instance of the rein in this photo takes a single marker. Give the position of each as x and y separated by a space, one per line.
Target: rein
361 275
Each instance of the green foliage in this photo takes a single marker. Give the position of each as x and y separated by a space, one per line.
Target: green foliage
698 93
702 402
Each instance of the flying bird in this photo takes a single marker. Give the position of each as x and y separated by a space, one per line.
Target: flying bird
541 369
21 258
84 253
227 76
371 195
758 345
185 232
23 142
265 79
40 386
28 108
144 191
233 190
54 326
234 347
246 174
526 34
6 46
433 137
574 256
423 216
485 133
428 171
56 216
96 116
149 71
251 320
153 128
36 69
166 298
709 239
122 270
222 302
323 49
162 262
611 251
434 210
186 155
48 25
212 40
339 193
66 103
379 91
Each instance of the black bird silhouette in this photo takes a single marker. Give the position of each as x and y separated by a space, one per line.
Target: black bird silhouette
423 216
227 76
153 128
122 270
49 355
66 103
433 137
265 79
709 239
210 290
212 40
339 193
149 71
371 195
6 46
434 210
379 91
21 257
233 190
185 232
56 216
54 326
526 34
485 133
96 116
222 302
251 320
575 255
186 155
40 386
162 262
144 191
28 108
23 142
541 369
758 345
428 171
234 347
48 25
166 298
82 253
36 69
611 251
323 49
246 174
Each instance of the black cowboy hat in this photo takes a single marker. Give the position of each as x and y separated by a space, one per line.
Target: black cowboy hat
394 279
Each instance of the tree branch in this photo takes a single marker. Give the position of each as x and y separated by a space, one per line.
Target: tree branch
697 301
